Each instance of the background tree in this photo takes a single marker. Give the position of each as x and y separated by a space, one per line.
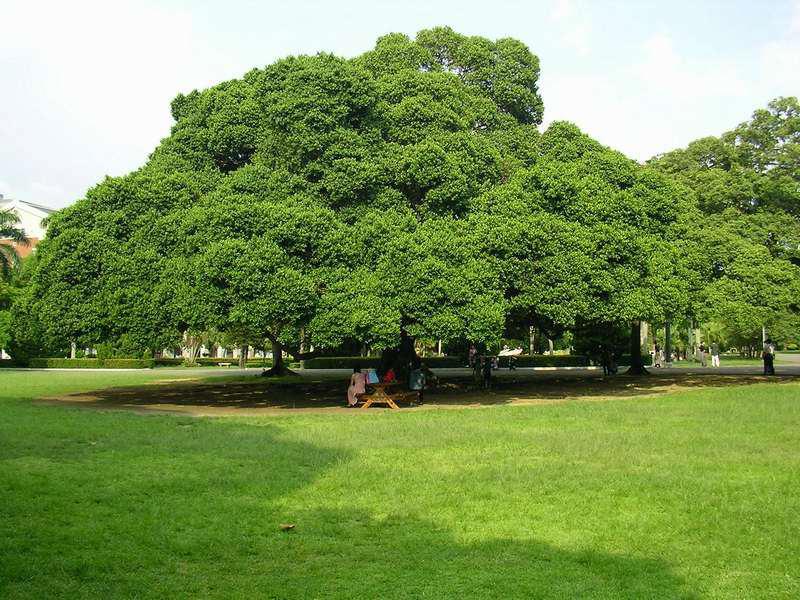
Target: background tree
747 245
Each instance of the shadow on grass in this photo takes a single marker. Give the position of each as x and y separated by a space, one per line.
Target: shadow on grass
229 397
110 505
192 508
352 554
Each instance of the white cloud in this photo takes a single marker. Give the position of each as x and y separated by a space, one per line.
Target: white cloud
574 28
663 70
652 105
562 10
780 59
6 189
576 36
795 18
93 80
780 65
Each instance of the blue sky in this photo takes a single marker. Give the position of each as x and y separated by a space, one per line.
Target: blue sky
85 86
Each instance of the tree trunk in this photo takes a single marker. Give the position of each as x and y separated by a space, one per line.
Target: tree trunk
243 356
550 346
279 367
73 350
532 340
668 344
637 367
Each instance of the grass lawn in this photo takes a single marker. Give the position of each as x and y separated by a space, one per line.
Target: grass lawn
689 494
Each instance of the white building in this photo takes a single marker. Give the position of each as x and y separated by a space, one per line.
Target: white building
30 220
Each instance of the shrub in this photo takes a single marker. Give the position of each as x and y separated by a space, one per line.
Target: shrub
168 362
625 360
104 351
128 363
545 360
91 363
206 361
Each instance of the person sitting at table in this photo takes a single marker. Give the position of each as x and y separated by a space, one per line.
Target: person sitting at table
358 385
389 376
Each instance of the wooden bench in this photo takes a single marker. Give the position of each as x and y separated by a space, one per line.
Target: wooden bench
224 364
386 393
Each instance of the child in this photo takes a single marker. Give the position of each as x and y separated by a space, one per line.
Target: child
416 379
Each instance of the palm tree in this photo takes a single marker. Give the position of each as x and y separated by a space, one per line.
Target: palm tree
9 258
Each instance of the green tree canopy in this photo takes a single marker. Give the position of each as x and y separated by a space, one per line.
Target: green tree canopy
405 190
747 245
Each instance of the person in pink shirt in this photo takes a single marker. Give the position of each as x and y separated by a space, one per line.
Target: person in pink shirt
358 385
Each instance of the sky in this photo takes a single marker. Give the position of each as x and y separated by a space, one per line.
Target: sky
85 85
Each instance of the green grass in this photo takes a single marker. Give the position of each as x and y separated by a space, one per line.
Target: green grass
685 495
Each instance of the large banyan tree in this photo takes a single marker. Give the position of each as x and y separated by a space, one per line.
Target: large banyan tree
404 192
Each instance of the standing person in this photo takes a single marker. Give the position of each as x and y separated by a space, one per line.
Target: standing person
473 356
605 359
715 354
656 355
487 372
769 357
358 385
416 379
703 354
609 363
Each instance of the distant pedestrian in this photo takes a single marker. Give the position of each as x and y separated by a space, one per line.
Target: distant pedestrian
769 357
487 372
609 364
715 354
656 356
703 352
473 356
416 379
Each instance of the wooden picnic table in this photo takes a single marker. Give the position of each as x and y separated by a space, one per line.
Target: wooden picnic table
384 392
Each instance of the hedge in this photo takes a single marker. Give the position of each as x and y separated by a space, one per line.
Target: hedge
251 362
373 362
91 363
544 360
625 360
444 362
